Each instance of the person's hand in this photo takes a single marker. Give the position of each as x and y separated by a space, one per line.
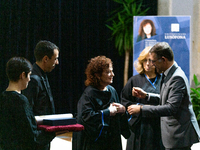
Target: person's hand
120 107
138 92
113 110
134 109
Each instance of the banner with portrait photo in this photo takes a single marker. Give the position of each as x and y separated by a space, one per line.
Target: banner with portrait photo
174 30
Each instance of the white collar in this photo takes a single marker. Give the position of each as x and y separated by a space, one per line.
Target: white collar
167 71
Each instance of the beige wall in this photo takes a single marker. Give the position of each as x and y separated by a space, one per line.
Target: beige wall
191 8
195 55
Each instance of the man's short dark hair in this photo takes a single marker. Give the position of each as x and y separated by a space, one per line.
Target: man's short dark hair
15 66
163 49
44 48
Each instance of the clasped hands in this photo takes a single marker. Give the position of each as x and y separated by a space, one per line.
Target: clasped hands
116 108
132 109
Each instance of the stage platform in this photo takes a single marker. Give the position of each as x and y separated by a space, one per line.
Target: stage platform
64 142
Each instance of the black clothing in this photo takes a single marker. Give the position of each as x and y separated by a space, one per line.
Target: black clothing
101 131
18 128
146 134
39 93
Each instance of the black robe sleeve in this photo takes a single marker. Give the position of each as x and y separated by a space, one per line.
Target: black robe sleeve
99 127
127 99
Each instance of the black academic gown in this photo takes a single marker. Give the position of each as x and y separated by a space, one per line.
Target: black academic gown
18 128
101 131
39 93
146 133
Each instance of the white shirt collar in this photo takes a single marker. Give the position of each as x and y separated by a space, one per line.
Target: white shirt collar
167 71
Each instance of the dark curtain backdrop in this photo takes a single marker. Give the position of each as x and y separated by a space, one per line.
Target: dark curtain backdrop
77 27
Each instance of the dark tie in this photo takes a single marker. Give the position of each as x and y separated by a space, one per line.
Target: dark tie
163 78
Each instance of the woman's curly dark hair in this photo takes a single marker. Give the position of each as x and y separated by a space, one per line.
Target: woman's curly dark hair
95 68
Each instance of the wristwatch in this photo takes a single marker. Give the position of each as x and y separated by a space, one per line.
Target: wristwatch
147 96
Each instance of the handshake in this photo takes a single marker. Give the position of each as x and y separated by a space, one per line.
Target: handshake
116 108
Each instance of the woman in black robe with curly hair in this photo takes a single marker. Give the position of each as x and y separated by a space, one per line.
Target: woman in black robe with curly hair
99 110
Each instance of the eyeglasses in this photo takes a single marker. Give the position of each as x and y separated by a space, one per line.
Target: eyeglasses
147 60
153 61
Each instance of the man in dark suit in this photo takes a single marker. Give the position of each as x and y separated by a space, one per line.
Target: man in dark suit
38 91
179 127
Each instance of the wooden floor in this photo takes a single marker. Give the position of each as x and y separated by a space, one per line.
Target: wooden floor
64 142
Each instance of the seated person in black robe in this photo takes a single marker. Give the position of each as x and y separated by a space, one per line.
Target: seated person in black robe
99 110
